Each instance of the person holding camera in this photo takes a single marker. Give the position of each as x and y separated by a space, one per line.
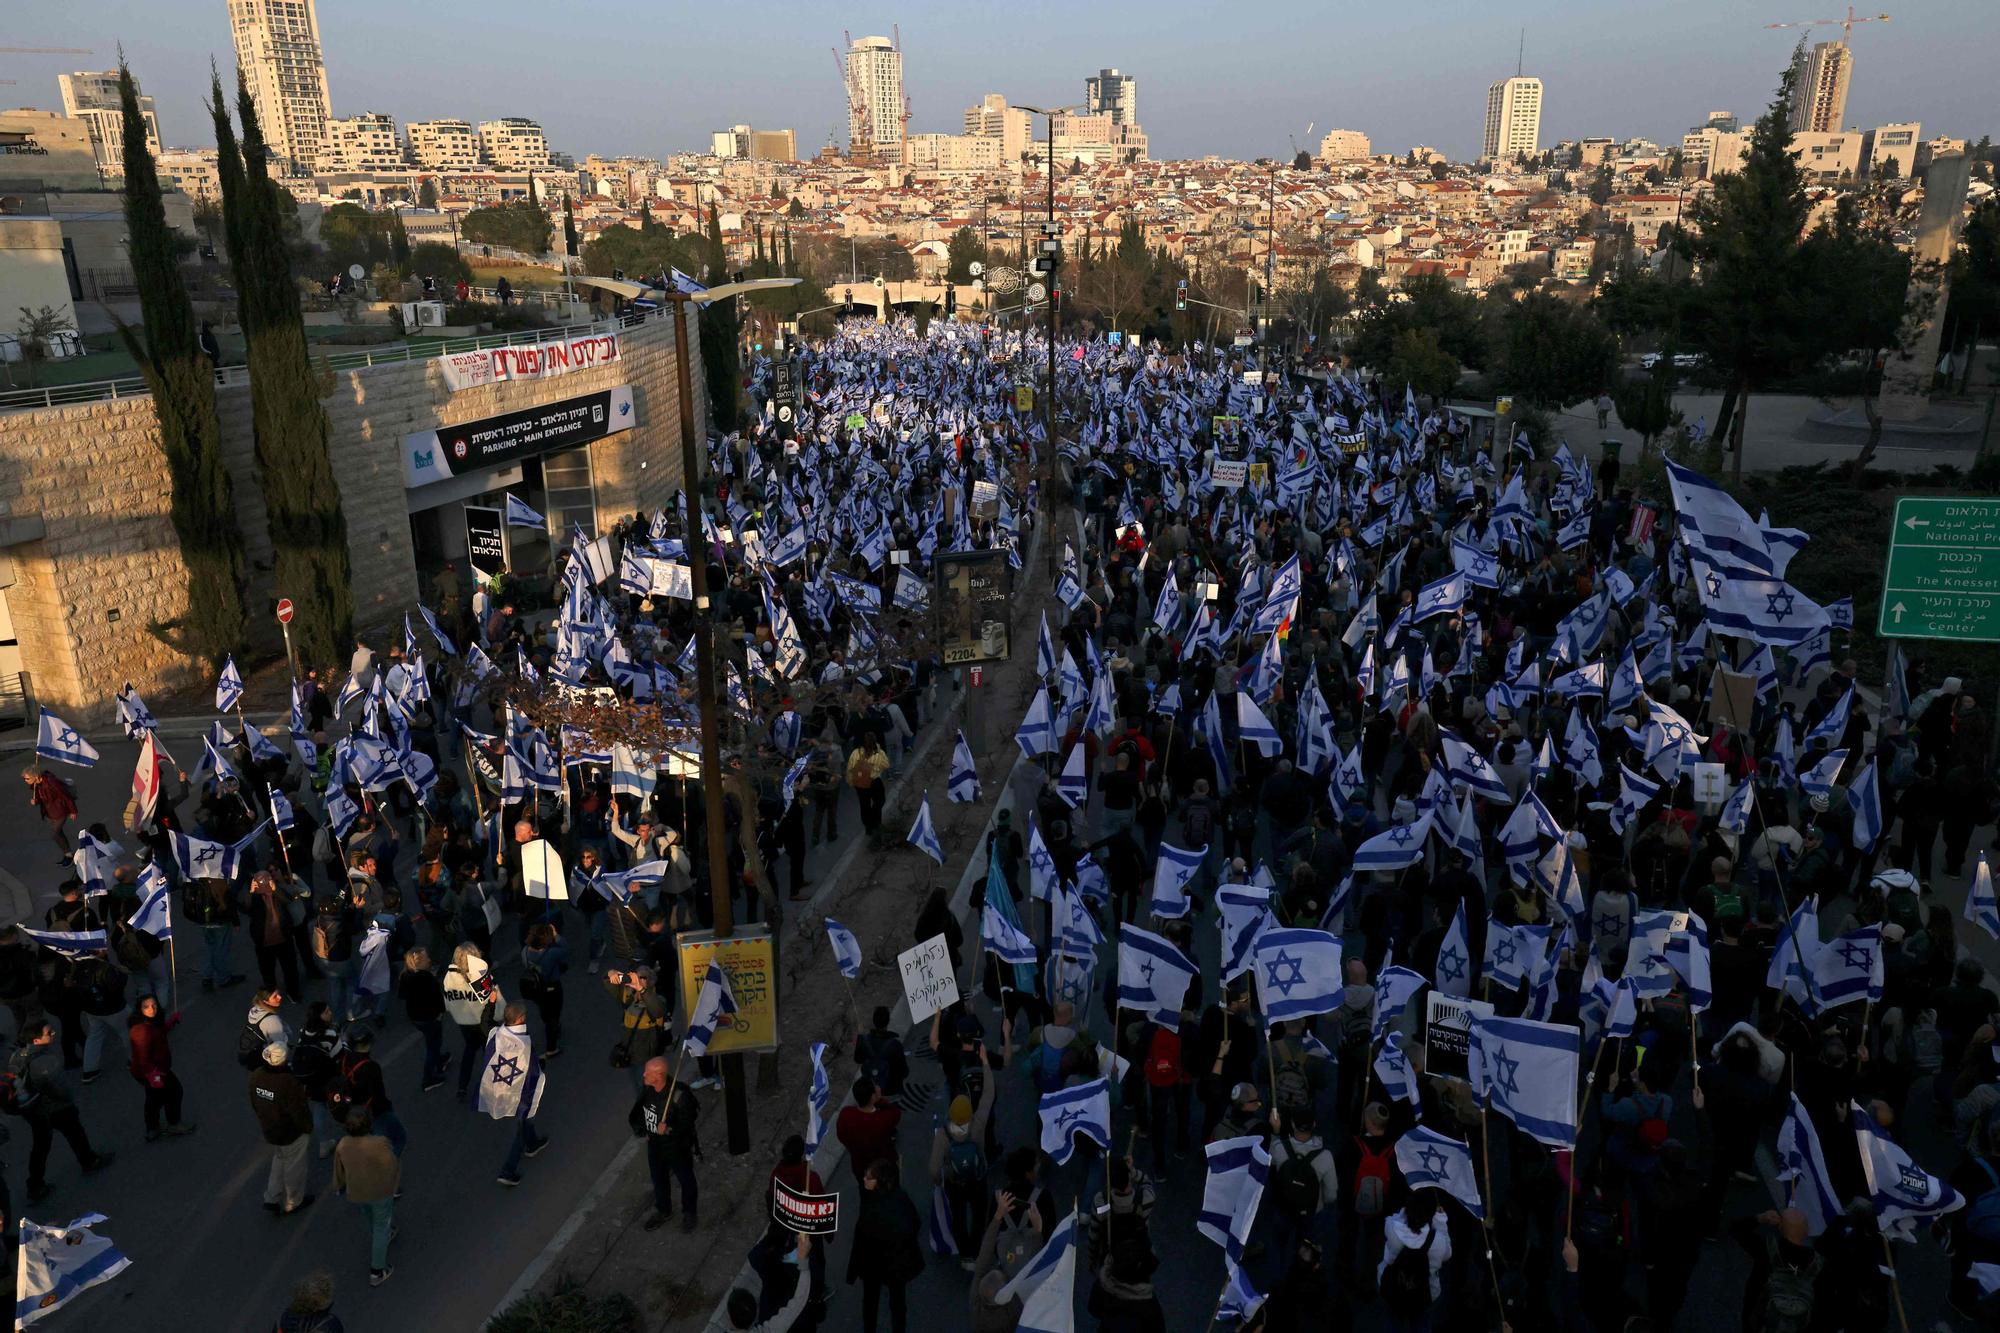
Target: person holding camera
647 1012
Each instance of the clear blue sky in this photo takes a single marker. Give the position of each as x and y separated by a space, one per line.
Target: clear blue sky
644 76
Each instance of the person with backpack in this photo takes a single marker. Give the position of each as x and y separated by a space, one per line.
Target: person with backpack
358 1081
1636 1121
1052 1049
1303 1180
34 1089
1781 1292
314 1057
959 1165
278 1099
1298 1073
667 1123
1354 1021
152 1064
1169 1091
262 1026
100 994
472 1000
1416 1246
207 903
336 935
879 1054
424 1005
1366 1163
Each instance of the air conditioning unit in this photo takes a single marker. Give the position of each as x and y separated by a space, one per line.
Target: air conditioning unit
430 314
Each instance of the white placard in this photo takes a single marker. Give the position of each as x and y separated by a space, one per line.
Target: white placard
1229 473
1448 1033
542 874
929 982
1711 785
671 578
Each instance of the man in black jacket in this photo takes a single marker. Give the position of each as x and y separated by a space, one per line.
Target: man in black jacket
49 1108
278 1099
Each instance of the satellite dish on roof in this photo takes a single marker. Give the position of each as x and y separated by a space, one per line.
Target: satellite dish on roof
356 272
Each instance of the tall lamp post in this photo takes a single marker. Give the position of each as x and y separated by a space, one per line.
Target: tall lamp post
720 896
1050 249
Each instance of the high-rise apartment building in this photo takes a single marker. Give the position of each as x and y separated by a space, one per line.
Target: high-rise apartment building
93 99
1109 93
513 143
1513 119
875 76
753 145
994 119
443 145
367 142
1819 87
1343 146
277 47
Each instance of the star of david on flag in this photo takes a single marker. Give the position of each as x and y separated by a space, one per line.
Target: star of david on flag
58 740
1527 1071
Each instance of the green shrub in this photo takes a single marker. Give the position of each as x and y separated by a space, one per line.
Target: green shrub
568 1309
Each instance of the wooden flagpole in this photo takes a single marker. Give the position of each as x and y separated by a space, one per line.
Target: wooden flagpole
1486 1218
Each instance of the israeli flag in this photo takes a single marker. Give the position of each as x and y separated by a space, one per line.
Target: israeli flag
1586 682
282 817
1176 867
341 812
1626 685
1454 959
1256 729
1208 725
1864 797
1580 749
923 835
1298 973
1575 532
1467 765
1396 849
1819 780
1444 597
1527 1072
1981 908
1395 987
1792 956
1073 784
1848 968
520 516
1037 733
1902 1192
1392 1066
1045 650
1237 1170
1505 963
198 858
1153 976
1004 939
510 1076
819 1098
1767 610
229 686
133 715
1687 954
1348 782
1243 915
939 1231
68 943
1802 1164
1735 816
846 949
1714 526
373 977
1046 1287
1834 725
1634 794
715 1003
1078 933
1240 1298
1520 837
58 740
1430 1160
56 1264
1084 1109
963 785
154 914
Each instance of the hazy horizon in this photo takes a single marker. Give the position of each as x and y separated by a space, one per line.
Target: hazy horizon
1240 85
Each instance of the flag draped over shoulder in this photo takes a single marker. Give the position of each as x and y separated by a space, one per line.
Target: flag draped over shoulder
510 1075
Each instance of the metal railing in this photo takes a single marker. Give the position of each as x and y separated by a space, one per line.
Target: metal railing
134 386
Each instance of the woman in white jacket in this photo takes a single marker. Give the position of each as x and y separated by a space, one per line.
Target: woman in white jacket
1415 1229
472 999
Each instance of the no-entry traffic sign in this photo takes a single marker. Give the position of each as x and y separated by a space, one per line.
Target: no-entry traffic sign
1942 579
285 610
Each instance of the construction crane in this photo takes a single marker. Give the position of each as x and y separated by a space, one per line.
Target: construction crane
858 147
1295 142
46 51
1845 25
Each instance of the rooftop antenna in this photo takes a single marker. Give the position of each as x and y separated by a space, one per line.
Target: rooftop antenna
1520 53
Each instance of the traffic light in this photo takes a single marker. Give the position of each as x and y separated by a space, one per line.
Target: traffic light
1055 299
1180 294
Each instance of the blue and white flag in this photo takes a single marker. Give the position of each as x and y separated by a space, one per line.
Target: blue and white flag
1472 768
228 686
1454 957
1037 733
1395 987
1792 956
846 949
1237 1170
1444 597
1046 1286
1834 725
1392 1066
1528 1072
923 834
1687 954
1848 968
510 1076
154 914
819 1098
939 1230
520 516
1153 975
963 785
1981 907
1175 869
1349 784
1864 797
1298 973
1256 729
68 943
712 1006
1506 961
1240 1298
1713 526
1073 783
1902 1192
1084 1109
1243 915
1430 1160
372 978
1735 816
198 858
133 715
1767 610
1396 848
1802 1164
1819 780
282 817
56 1264
58 740
1004 939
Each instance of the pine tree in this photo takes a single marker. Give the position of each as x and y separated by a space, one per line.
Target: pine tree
399 241
301 499
570 247
718 334
167 347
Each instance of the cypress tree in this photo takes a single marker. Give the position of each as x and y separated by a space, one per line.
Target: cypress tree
718 334
399 240
791 264
570 246
167 347
301 499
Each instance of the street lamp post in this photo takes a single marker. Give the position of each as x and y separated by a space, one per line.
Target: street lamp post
1049 233
736 1108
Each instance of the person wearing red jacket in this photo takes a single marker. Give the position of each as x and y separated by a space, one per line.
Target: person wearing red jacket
153 1065
55 802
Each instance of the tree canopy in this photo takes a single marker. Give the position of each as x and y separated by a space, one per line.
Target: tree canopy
522 225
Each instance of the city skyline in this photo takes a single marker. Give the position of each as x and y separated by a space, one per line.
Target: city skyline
1604 72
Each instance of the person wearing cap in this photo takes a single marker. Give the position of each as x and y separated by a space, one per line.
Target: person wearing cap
278 1099
960 1167
1246 1115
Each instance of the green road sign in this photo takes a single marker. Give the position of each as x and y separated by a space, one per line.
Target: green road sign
1943 575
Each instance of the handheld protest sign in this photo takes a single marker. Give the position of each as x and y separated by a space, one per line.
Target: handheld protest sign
795 1210
542 874
929 983
1448 1034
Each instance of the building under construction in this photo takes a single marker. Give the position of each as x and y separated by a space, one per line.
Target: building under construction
878 115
